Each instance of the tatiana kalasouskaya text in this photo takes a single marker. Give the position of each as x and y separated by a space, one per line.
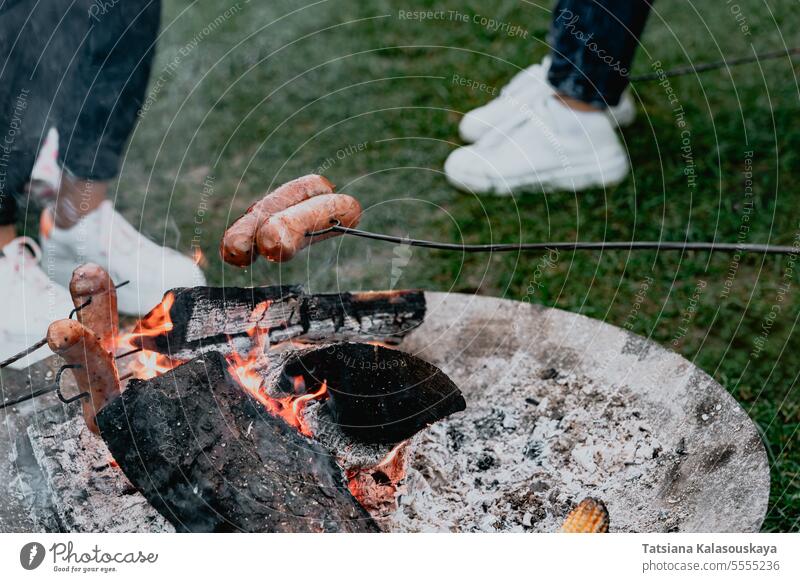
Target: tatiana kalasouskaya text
709 549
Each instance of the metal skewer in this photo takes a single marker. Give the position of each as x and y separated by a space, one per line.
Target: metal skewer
703 67
130 353
31 396
23 353
54 387
577 245
43 341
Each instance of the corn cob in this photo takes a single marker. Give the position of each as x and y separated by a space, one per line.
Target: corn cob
589 516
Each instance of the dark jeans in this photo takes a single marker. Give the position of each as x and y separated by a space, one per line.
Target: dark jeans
593 43
81 66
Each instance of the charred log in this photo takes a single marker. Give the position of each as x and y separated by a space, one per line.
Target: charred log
376 394
211 458
206 318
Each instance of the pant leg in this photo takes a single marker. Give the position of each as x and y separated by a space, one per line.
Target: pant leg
105 90
43 46
593 45
17 92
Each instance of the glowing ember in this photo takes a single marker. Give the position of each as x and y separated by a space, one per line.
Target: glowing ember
257 314
375 488
245 371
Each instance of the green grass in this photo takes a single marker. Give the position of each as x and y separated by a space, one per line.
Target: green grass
270 95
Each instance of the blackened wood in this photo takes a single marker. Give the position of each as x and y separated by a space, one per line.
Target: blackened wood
385 316
210 458
206 318
377 394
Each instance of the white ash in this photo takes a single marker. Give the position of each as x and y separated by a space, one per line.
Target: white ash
526 451
89 493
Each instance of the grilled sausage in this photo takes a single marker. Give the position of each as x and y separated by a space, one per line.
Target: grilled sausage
283 235
97 372
238 244
100 315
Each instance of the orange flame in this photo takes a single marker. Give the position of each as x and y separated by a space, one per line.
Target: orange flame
158 321
149 364
46 223
199 257
155 323
289 408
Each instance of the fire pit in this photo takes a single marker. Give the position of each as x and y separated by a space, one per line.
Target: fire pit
356 422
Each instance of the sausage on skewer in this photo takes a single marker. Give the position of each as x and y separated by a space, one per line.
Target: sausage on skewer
283 235
95 370
91 281
238 244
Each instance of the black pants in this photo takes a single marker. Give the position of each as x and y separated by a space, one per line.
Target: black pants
79 65
593 44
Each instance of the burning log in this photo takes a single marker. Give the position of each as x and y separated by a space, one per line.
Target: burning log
207 318
377 395
211 458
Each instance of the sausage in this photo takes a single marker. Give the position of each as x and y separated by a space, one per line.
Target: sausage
101 316
283 235
97 372
238 244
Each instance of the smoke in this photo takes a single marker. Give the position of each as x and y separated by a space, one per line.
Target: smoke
402 256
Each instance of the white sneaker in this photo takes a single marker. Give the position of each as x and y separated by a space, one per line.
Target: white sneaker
106 238
523 90
31 301
552 148
524 86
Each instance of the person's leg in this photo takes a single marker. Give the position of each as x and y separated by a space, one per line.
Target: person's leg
593 45
101 101
97 109
17 147
31 300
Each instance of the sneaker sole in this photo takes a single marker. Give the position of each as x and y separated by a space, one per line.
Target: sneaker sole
579 177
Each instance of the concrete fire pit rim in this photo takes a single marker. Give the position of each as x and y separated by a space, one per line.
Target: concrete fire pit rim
450 312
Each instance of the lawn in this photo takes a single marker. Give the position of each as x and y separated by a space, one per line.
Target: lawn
252 94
